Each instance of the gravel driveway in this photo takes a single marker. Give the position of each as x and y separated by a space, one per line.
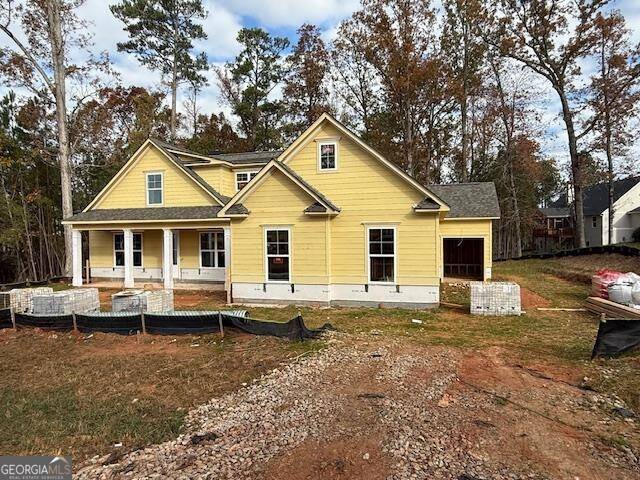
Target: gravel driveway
374 409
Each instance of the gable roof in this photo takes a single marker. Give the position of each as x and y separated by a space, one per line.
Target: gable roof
145 214
469 200
555 212
197 179
247 157
596 197
299 142
320 198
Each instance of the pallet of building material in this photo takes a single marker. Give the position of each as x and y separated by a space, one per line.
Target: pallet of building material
495 298
20 299
611 309
155 301
67 301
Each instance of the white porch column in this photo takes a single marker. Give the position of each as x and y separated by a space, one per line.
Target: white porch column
76 256
227 262
167 257
128 258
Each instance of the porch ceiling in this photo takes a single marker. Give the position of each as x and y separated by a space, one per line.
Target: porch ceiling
145 214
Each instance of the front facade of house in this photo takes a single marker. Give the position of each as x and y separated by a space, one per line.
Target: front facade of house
326 221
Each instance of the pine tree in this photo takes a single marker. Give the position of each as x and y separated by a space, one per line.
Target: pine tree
161 36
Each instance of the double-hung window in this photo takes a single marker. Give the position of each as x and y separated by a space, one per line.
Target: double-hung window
278 253
212 250
118 249
382 254
242 178
154 188
328 155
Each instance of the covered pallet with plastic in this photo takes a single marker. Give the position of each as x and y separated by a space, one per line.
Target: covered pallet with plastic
67 301
21 299
495 298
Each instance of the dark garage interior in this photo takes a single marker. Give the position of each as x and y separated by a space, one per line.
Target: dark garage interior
463 257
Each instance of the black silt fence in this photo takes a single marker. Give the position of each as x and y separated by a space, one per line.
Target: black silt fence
46 322
5 318
181 323
616 337
174 323
575 252
128 324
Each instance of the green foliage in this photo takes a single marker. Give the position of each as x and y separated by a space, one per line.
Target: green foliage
162 34
247 85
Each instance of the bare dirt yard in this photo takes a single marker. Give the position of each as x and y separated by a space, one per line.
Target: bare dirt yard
452 396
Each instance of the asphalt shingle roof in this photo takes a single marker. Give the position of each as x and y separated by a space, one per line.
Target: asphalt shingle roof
475 200
551 212
247 157
596 197
302 181
151 213
427 204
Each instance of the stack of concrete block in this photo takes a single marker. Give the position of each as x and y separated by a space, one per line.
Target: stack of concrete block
76 300
495 298
21 299
155 301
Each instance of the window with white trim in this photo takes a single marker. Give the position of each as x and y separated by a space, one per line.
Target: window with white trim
327 155
278 254
382 254
118 249
154 188
242 178
212 250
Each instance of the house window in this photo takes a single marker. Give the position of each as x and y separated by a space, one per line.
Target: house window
382 255
154 188
594 222
118 249
327 155
278 255
242 178
212 250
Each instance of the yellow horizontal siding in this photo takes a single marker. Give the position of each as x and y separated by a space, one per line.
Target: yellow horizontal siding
130 190
101 249
368 192
469 228
278 201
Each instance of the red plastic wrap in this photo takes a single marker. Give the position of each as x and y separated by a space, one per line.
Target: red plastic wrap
601 280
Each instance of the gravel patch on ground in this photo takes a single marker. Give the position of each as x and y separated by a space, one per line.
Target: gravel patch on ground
373 409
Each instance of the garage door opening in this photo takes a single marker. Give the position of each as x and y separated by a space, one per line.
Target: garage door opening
463 257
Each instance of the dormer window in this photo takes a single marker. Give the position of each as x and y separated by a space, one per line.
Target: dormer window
242 178
154 188
328 156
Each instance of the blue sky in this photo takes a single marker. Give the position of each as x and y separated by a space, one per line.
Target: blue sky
283 17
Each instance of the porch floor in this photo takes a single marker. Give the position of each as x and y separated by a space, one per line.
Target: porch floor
212 287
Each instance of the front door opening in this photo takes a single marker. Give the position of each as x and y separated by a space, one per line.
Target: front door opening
463 257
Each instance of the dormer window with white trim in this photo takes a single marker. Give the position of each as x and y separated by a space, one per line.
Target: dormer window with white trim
242 178
328 156
155 184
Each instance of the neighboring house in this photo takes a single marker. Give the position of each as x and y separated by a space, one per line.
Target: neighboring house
326 221
626 216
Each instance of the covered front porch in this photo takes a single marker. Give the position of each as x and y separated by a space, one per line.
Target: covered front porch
170 255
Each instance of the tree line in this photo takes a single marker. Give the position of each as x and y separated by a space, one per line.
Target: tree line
450 94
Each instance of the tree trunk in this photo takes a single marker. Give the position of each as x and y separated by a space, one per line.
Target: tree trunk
64 153
607 138
576 170
408 139
174 99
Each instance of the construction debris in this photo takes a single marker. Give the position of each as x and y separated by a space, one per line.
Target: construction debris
155 301
611 309
76 300
495 298
20 299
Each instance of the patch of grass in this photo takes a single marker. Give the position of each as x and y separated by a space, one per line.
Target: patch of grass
61 393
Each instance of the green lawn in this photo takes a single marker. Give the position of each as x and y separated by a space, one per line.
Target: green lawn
62 393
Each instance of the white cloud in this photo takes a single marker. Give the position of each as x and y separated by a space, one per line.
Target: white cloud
292 13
